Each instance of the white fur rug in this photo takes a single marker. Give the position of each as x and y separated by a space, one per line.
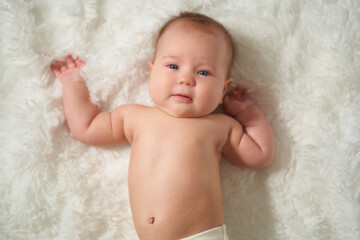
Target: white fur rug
300 60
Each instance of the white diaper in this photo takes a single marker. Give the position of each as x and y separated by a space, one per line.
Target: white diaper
218 233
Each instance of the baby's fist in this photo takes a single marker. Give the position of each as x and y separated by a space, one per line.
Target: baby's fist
69 70
236 101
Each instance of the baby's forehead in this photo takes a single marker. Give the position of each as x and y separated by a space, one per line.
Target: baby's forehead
187 27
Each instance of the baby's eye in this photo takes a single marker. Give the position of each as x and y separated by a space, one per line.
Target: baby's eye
203 73
173 66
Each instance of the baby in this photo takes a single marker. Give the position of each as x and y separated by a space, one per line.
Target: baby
177 145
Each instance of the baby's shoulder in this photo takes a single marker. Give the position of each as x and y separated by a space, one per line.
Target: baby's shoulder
132 109
224 120
133 116
130 112
221 118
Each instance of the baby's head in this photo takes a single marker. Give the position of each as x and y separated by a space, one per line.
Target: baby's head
190 70
203 21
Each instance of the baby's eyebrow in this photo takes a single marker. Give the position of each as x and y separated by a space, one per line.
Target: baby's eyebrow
207 64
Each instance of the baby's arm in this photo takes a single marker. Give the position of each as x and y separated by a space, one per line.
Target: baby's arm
250 143
85 120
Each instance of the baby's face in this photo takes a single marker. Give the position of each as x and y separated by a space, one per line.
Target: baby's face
189 73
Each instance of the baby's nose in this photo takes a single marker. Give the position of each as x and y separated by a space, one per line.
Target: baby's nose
187 80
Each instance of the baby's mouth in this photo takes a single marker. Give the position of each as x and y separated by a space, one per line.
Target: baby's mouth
182 97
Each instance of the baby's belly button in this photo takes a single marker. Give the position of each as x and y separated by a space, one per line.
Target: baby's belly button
151 220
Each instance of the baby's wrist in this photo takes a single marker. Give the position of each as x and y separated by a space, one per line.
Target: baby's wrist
73 78
73 81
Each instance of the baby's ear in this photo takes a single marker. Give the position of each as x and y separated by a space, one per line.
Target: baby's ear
150 65
227 85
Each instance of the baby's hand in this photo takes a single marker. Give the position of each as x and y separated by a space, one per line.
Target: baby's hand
236 101
69 70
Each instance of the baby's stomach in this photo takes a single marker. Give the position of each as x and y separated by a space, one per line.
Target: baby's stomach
175 197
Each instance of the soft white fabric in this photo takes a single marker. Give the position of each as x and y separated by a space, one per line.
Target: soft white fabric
217 233
300 60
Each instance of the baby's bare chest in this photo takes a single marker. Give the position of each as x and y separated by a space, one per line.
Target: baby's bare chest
190 135
178 152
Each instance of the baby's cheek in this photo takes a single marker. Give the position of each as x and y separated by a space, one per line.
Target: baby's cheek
153 90
154 95
212 98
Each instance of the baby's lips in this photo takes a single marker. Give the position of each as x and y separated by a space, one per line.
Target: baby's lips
182 97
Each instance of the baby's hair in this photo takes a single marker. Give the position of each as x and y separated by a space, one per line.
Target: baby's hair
202 20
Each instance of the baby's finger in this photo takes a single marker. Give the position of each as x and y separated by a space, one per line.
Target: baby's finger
61 65
244 94
70 61
238 87
231 95
54 69
79 63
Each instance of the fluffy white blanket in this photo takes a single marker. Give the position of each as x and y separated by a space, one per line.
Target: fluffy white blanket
300 60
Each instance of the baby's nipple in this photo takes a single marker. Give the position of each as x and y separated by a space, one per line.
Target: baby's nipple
151 220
